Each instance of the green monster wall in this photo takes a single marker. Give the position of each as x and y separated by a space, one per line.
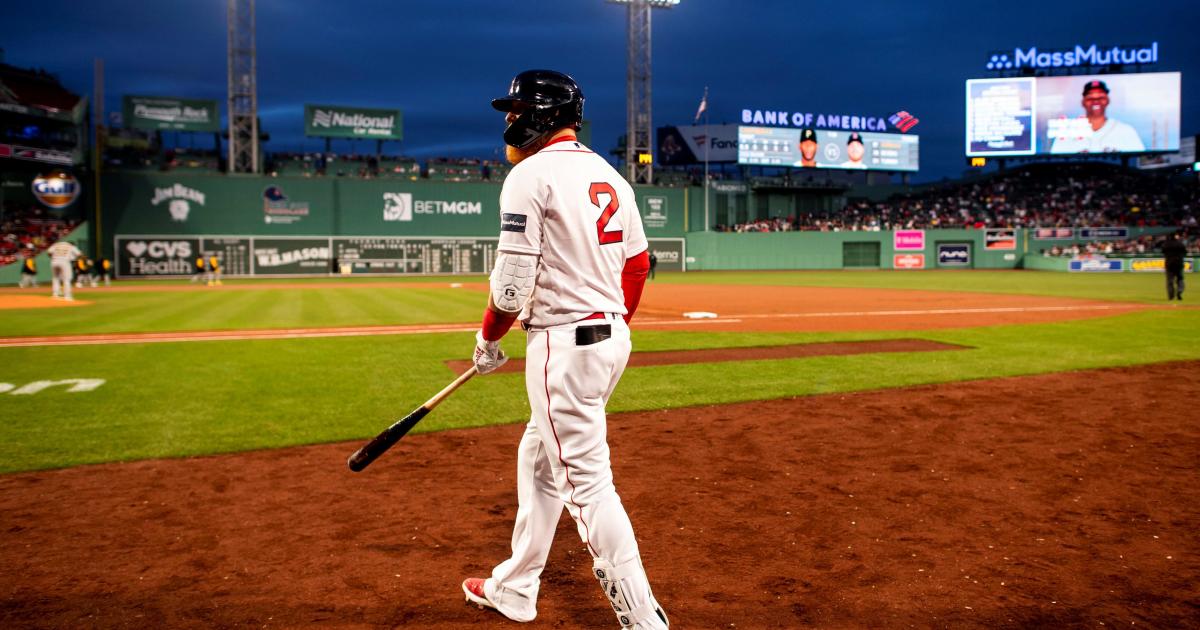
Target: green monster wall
183 205
179 205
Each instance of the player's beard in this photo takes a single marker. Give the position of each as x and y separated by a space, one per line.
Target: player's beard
516 154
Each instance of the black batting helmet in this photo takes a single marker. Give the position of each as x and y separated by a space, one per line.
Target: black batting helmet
554 101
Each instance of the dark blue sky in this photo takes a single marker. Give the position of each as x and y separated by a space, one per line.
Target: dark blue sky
441 62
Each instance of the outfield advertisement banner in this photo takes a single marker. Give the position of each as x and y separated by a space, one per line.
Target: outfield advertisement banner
163 113
1116 233
156 256
1053 234
148 256
908 240
1000 238
1158 265
1095 264
908 261
954 254
278 256
333 121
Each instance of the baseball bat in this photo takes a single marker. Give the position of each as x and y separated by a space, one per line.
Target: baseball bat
388 438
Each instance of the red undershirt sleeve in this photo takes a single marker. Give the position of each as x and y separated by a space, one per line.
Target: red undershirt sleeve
633 280
496 325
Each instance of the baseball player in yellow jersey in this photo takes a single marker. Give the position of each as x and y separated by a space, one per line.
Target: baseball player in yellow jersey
200 270
571 265
62 255
214 271
28 272
81 269
105 269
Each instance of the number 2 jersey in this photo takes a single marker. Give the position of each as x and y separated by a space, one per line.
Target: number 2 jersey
570 207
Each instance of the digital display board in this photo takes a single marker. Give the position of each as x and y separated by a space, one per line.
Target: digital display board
1073 115
823 148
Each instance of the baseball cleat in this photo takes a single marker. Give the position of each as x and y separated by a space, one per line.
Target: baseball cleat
473 588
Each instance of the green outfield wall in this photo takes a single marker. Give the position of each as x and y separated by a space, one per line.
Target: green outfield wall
153 222
192 204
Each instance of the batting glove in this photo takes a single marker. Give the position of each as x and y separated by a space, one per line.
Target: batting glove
488 355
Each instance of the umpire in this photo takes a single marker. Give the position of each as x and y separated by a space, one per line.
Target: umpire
1173 252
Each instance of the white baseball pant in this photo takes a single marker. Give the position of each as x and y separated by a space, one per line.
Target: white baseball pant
563 459
60 279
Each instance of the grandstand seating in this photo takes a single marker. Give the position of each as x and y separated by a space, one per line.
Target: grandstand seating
455 170
30 229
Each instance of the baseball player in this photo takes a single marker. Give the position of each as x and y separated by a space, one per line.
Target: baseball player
105 269
199 268
214 271
28 271
808 149
571 265
1100 134
855 151
62 254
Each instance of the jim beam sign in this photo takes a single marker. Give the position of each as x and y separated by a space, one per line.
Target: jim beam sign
178 200
333 121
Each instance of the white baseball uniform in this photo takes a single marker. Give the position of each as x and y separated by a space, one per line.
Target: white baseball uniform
62 255
1113 135
568 206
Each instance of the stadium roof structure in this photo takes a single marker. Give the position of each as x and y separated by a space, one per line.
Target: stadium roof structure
37 93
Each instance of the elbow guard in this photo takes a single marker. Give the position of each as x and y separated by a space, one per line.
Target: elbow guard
512 281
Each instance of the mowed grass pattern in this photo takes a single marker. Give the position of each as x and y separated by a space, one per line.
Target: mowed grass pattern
218 309
180 399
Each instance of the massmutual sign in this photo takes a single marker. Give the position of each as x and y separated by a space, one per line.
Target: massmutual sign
1079 56
332 121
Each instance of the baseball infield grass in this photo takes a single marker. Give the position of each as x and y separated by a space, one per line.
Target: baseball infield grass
195 398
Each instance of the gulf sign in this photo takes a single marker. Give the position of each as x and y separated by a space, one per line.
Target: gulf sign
909 240
56 190
908 261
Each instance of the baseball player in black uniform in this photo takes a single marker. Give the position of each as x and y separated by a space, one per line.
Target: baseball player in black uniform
1173 252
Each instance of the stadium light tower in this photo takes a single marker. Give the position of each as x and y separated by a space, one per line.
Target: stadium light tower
243 89
638 157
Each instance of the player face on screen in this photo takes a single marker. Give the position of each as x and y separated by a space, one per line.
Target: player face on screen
1095 106
808 152
855 151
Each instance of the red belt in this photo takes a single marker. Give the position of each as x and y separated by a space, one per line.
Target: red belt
594 316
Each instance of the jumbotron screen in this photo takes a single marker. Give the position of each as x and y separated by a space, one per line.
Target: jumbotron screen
1073 115
822 148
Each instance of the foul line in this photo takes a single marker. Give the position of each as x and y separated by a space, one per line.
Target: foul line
363 331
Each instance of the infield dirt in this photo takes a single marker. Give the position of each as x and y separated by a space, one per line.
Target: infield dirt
1047 501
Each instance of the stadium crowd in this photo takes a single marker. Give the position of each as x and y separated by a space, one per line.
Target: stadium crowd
1148 245
1044 195
27 230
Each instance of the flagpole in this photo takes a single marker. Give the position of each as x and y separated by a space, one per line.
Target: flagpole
707 143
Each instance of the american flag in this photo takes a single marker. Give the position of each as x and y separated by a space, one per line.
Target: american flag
703 105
